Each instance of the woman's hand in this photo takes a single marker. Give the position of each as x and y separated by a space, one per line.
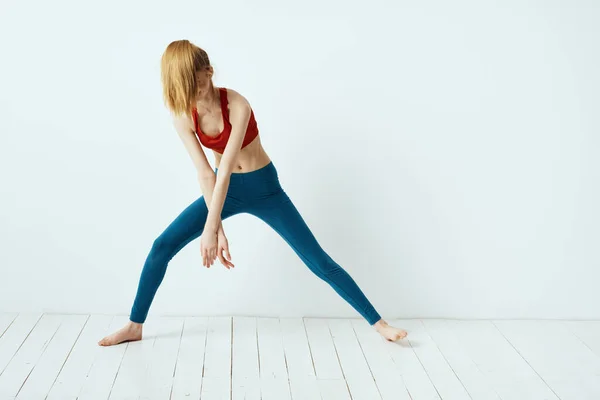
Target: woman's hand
223 246
208 247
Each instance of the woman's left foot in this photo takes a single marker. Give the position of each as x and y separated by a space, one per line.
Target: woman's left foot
389 332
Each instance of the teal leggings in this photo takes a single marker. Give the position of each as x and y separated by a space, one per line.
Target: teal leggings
258 193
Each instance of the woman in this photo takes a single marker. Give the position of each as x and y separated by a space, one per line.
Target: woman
245 180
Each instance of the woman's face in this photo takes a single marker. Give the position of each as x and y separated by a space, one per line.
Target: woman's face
203 79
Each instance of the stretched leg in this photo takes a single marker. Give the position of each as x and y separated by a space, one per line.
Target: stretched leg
279 212
188 225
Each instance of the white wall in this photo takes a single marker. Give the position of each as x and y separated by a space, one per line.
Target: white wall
446 155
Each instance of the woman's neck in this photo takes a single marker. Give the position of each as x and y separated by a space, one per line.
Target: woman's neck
209 99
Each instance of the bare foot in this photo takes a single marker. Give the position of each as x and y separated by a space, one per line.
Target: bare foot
389 332
129 333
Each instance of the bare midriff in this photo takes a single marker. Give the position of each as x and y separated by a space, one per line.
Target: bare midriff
250 158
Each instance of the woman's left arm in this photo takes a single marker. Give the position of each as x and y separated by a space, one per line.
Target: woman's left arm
239 115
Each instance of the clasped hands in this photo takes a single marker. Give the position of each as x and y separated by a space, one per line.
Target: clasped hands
213 243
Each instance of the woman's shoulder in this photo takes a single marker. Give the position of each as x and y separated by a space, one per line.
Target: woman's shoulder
183 123
235 98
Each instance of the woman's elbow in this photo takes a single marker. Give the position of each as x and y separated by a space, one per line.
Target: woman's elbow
206 175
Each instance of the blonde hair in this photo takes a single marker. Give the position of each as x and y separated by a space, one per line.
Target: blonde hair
179 64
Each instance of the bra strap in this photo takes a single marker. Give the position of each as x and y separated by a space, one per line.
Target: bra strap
224 102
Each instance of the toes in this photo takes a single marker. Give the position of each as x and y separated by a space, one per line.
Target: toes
105 342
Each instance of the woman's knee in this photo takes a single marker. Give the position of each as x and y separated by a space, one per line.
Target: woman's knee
162 248
323 264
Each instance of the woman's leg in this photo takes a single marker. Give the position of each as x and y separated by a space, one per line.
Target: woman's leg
188 225
278 211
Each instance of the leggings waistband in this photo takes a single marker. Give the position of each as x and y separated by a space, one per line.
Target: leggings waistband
261 174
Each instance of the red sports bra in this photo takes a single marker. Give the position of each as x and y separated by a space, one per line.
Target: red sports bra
219 142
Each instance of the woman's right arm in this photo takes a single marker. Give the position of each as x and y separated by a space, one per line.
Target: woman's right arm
205 174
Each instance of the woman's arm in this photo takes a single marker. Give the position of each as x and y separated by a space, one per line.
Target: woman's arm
205 174
207 186
239 115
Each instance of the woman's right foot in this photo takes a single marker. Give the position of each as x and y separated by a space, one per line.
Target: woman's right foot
129 333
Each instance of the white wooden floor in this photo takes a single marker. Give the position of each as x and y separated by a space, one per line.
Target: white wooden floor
56 357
